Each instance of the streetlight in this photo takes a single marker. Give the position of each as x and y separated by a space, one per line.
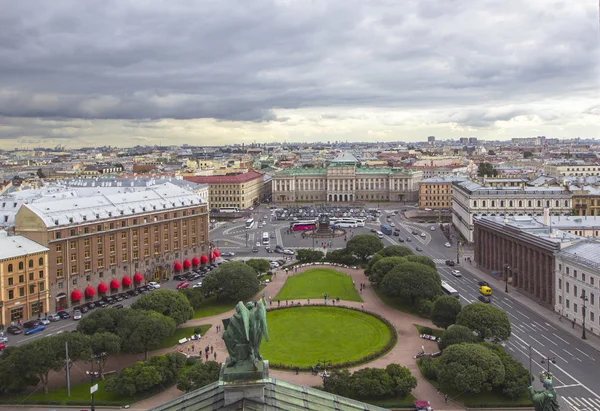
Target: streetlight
39 307
93 374
458 250
547 361
584 299
506 268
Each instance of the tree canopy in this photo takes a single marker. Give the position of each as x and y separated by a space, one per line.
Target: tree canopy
234 280
198 375
383 266
372 262
412 281
194 295
166 302
469 367
395 251
444 312
516 377
99 321
103 345
307 255
421 259
456 334
259 264
487 321
486 169
364 245
141 330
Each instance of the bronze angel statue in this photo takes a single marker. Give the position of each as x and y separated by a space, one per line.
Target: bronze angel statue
244 332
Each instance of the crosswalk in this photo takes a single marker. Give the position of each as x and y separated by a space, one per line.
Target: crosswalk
582 404
440 261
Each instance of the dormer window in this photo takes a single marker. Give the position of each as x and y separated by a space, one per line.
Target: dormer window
97 215
110 213
56 222
70 219
84 218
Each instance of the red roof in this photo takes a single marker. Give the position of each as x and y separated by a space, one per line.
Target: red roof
75 295
238 178
102 288
138 278
217 253
89 291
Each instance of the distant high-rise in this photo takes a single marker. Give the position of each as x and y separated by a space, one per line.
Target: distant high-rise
472 141
464 140
431 139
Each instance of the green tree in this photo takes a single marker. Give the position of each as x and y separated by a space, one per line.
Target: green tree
198 375
486 169
412 281
166 302
235 281
456 334
421 259
13 378
382 267
194 295
527 154
134 378
427 366
103 345
516 377
99 321
372 262
307 255
469 367
364 245
403 382
141 330
259 264
339 382
371 383
342 256
487 321
491 153
395 251
444 312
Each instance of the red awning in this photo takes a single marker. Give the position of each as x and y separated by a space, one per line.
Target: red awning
102 288
217 253
126 281
138 278
89 291
203 259
114 284
195 261
177 266
213 255
186 264
76 295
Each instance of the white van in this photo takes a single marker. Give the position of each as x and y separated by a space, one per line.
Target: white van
379 234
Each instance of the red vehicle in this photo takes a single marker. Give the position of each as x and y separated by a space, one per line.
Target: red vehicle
421 405
303 226
2 346
183 284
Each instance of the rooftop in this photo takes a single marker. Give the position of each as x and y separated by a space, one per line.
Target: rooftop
585 252
345 157
12 246
232 179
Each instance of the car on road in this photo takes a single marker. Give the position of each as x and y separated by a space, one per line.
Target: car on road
408 240
456 273
450 263
484 299
153 284
36 329
373 230
102 304
392 224
258 243
3 340
32 323
255 249
44 321
400 240
182 285
197 285
77 315
14 330
419 249
288 252
118 306
432 228
396 233
422 235
54 317
228 254
483 284
448 245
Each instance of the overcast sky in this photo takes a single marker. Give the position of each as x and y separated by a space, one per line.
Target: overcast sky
127 72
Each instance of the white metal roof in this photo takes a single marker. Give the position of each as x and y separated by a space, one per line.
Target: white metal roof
16 245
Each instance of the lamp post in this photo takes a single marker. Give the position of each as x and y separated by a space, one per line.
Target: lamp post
93 374
506 268
584 299
39 300
547 361
458 250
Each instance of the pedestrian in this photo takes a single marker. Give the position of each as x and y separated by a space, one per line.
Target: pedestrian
573 322
362 307
211 349
215 356
206 356
193 347
297 370
278 303
446 398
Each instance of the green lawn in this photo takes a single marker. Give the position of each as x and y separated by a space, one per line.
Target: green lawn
436 332
180 333
211 306
315 282
302 336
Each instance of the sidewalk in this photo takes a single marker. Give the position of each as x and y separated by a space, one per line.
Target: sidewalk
549 315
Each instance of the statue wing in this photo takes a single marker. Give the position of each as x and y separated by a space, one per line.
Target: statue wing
261 314
245 316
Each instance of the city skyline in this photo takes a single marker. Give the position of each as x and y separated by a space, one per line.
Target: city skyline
127 73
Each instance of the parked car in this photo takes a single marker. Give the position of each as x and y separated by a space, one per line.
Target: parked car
415 232
125 296
288 252
133 293
83 308
14 330
35 329
456 273
76 315
197 285
44 321
91 305
3 340
153 284
31 323
118 306
228 254
484 299
194 277
54 317
143 289
448 245
102 304
109 300
419 249
118 297
184 284
450 263
483 283
2 346
179 277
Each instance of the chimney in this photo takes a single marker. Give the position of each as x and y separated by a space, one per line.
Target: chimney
546 216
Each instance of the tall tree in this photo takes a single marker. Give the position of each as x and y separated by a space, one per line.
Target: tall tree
372 262
421 259
259 264
364 245
395 251
456 334
412 281
99 321
194 295
486 169
403 382
371 383
382 267
469 367
167 302
236 281
487 321
141 330
198 375
444 312
104 345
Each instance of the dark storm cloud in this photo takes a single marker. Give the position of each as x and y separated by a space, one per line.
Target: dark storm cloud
240 60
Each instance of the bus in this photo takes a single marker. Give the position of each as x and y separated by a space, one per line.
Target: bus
360 222
265 238
386 229
249 223
449 290
346 223
229 210
303 225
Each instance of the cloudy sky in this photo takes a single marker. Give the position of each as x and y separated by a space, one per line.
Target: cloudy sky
206 72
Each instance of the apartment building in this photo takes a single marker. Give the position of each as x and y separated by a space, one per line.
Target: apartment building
240 191
105 243
24 291
572 169
436 193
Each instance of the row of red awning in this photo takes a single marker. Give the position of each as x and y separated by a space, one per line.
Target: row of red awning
103 288
177 266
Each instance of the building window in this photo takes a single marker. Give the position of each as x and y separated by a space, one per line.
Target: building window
111 237
86 242
583 277
567 303
592 298
41 286
30 263
73 257
88 266
73 243
57 235
30 276
74 282
123 235
575 307
41 274
99 240
86 230
74 269
560 284
124 257
22 292
72 231
575 290
21 278
59 272
31 289
135 232
10 281
575 274
112 260
11 294
41 261
21 266
10 268
58 260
